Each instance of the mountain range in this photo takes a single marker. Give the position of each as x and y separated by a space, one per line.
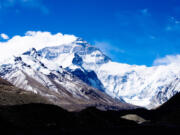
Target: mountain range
59 86
75 75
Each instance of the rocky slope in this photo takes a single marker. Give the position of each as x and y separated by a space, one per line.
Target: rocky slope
11 95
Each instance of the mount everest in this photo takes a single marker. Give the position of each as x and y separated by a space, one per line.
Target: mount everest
62 66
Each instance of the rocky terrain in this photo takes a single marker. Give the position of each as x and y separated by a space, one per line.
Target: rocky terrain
11 95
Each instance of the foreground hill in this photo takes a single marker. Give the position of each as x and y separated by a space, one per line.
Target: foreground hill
11 95
169 112
43 119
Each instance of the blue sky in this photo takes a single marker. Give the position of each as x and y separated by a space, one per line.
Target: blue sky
129 31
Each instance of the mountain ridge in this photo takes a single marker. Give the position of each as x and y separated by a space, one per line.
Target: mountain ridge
59 86
139 85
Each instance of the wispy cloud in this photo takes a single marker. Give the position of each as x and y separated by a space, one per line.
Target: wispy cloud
145 12
141 19
108 48
168 59
173 24
4 36
37 4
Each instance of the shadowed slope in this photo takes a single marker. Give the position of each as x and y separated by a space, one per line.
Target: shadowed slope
10 95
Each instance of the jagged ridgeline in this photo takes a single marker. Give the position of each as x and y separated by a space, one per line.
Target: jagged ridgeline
79 70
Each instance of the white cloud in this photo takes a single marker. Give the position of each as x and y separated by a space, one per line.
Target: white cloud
4 36
19 44
107 47
168 59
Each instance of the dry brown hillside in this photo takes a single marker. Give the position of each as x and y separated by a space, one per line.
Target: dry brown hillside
10 95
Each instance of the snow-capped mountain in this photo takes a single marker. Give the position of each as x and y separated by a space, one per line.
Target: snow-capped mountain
75 57
59 86
139 85
77 65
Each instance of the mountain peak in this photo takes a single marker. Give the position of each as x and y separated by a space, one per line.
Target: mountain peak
32 52
81 41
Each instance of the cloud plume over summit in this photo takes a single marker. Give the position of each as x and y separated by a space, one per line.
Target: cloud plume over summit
19 44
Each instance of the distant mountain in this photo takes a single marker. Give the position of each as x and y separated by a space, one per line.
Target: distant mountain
78 65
